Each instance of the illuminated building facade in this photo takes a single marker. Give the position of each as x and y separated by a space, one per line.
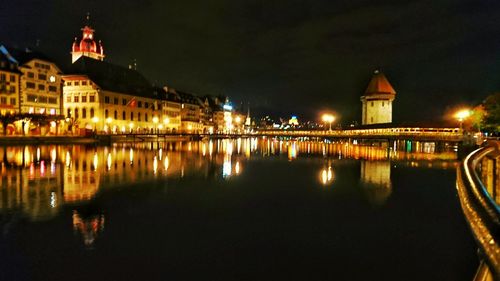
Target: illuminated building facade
377 100
191 108
9 83
110 98
40 83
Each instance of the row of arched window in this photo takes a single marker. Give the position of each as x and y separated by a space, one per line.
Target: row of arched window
124 115
76 113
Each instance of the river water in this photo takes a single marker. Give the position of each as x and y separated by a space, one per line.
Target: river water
243 209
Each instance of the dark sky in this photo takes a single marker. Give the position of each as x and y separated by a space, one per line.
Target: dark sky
285 57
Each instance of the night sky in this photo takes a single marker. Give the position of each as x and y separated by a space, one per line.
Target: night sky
285 57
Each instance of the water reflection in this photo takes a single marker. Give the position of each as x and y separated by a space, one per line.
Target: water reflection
88 226
376 181
38 180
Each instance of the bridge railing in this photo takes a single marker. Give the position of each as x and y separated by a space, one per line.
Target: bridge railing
399 132
481 210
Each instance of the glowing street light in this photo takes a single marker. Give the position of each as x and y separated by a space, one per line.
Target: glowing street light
461 116
95 119
328 118
155 121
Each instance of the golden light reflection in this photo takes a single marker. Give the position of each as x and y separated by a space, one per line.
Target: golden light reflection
326 175
166 163
109 161
68 159
237 168
131 155
95 161
155 165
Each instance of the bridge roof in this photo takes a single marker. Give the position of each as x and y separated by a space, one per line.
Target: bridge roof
379 85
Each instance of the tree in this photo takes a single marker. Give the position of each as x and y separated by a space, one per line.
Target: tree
491 121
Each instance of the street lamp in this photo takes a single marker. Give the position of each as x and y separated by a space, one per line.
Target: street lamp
155 121
328 118
108 122
95 119
461 116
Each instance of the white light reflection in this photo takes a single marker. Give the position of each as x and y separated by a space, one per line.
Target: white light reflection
109 161
326 176
155 165
96 161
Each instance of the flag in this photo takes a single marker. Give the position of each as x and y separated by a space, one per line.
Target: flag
132 102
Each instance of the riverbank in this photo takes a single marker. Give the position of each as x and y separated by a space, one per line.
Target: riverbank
99 139
15 140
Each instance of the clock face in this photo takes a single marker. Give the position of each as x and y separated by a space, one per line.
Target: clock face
52 78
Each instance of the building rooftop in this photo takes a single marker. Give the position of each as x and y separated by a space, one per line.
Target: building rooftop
115 78
379 85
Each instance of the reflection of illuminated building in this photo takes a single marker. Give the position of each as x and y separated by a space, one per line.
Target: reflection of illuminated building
88 227
30 185
376 179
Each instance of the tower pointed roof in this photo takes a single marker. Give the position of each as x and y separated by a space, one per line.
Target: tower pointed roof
379 85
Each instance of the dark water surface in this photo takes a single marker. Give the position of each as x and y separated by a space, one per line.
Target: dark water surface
250 209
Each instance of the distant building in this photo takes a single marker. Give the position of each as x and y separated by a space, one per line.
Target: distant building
9 83
190 113
87 46
377 100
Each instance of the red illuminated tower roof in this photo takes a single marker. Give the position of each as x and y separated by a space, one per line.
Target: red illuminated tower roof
379 85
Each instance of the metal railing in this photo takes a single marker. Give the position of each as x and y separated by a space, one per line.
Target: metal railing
481 211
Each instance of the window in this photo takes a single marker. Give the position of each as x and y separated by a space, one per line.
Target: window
77 83
116 115
68 99
91 113
76 113
91 98
3 100
52 88
84 83
12 78
84 113
106 99
146 117
53 100
124 117
12 89
382 104
106 113
3 77
42 76
76 99
139 104
372 106
124 101
32 98
30 85
84 98
131 116
115 100
41 87
69 83
13 101
42 99
146 105
31 75
139 116
68 113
